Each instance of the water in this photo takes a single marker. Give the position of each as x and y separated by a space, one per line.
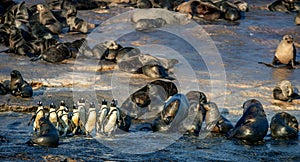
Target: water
241 45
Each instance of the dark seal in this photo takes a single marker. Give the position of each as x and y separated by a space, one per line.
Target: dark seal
48 135
18 86
149 99
284 126
253 126
215 122
173 115
196 112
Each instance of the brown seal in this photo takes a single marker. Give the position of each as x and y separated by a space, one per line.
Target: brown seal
48 19
284 91
285 53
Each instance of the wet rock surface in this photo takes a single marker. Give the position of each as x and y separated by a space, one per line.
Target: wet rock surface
241 45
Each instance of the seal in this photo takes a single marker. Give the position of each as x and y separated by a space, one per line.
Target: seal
77 24
196 112
148 65
4 34
297 19
15 39
215 122
102 115
282 6
53 118
126 52
35 47
242 5
284 126
149 24
85 4
229 10
173 114
284 91
285 53
154 71
111 51
40 112
253 126
18 86
3 89
106 50
17 15
151 97
143 4
48 135
112 119
124 122
55 54
204 9
48 19
91 119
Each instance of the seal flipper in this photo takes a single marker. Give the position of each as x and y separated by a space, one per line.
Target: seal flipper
6 51
30 142
267 64
36 58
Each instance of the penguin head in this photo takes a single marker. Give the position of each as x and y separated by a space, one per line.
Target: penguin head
40 103
92 105
62 103
114 103
104 102
74 106
81 100
52 105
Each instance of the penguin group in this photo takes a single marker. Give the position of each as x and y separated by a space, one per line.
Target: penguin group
81 118
16 86
33 30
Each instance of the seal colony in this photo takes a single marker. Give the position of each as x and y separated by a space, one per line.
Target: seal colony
33 31
175 110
